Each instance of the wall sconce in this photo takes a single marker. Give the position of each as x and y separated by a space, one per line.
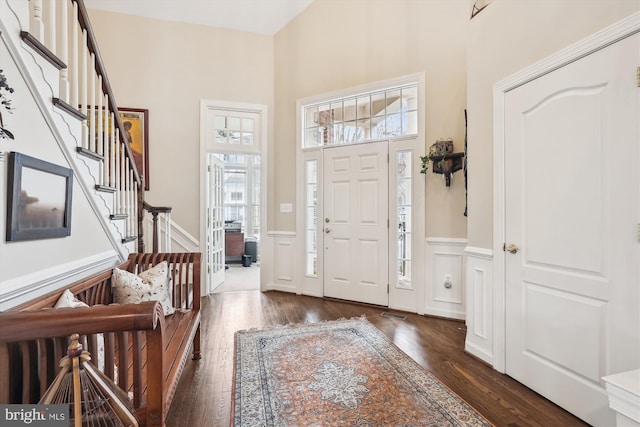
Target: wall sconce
445 161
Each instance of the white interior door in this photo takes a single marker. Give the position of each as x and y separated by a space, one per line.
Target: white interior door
215 222
355 223
571 212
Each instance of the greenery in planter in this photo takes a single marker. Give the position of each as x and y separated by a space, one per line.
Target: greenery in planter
5 90
437 149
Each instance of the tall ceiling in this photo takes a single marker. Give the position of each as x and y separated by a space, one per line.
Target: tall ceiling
256 16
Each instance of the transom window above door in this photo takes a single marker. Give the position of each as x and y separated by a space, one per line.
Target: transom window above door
380 114
234 130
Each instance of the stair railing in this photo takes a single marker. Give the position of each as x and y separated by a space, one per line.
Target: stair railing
61 31
157 225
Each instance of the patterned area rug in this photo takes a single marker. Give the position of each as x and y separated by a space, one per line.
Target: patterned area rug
341 373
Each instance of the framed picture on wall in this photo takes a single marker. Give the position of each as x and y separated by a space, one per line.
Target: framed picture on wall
38 199
136 125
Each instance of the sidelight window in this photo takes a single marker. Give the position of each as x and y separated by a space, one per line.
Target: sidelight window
311 226
403 235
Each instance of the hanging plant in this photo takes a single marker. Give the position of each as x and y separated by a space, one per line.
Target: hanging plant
438 151
5 102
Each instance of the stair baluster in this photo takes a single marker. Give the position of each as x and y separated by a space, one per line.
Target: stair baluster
63 28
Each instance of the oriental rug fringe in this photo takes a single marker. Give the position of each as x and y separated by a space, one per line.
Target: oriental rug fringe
338 373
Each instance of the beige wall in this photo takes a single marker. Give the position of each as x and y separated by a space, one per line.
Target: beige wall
332 45
336 45
504 38
168 67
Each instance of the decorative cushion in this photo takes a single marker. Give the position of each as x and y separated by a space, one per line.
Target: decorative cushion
150 285
68 300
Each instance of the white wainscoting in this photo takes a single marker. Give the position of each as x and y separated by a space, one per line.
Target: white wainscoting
479 297
279 262
444 279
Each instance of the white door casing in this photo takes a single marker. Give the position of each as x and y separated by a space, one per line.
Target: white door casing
355 224
209 110
571 209
215 250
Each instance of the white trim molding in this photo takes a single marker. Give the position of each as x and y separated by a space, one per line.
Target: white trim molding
20 289
445 277
479 289
624 397
206 105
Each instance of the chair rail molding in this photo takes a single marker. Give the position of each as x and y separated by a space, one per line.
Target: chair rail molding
17 290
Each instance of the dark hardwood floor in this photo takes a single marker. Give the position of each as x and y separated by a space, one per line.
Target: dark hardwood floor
203 397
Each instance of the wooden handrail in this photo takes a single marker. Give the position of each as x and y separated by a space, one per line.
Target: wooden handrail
83 18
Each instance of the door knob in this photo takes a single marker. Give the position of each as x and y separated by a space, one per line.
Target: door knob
327 230
511 248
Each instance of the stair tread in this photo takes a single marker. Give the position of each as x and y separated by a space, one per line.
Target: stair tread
88 153
42 50
105 188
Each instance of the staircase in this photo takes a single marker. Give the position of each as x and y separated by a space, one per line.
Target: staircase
54 47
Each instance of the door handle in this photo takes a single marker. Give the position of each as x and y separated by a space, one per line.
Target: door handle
511 248
327 230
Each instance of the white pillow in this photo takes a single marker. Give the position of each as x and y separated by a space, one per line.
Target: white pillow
150 285
68 300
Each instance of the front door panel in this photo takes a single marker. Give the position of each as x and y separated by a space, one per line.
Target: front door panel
355 227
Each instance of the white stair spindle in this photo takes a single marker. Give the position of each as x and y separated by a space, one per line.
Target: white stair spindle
119 182
131 204
36 26
62 49
91 110
99 113
102 118
49 19
127 188
84 82
167 232
134 204
73 56
114 153
125 182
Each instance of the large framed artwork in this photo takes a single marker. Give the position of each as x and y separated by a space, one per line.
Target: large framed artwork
136 124
38 199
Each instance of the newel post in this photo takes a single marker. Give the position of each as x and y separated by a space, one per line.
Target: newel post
141 218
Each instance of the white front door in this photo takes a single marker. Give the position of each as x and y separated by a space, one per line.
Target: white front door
571 214
215 222
355 223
